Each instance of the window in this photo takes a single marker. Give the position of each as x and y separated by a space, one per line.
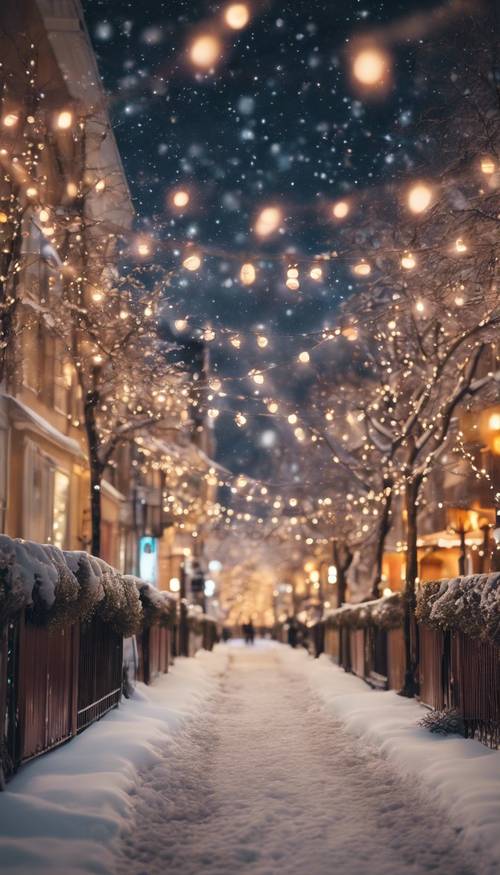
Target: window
45 498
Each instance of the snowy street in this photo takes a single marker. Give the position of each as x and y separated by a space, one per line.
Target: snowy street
268 782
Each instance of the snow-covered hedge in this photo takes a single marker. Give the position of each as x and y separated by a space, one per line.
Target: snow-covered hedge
468 604
62 587
384 613
157 606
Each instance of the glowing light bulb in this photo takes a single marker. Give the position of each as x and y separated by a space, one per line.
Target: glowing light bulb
292 273
273 407
494 422
180 324
350 333
408 261
262 341
258 378
192 262
419 197
71 189
459 301
304 357
292 418
460 246
316 274
100 185
240 420
488 166
268 221
340 210
180 198
247 274
3 217
10 120
371 66
205 51
293 285
31 191
237 16
64 120
420 307
143 248
236 342
44 215
362 268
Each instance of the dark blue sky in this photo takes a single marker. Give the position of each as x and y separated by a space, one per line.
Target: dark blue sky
279 122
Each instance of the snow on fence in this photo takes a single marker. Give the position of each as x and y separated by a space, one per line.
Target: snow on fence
459 650
63 618
367 640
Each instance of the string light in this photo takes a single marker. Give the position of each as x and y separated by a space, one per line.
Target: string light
180 198
316 274
192 262
204 51
237 16
488 166
362 268
304 357
419 197
408 261
268 221
64 120
10 120
460 246
371 66
247 274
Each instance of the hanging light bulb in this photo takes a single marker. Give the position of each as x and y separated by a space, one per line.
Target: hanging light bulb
262 341
488 166
408 261
460 246
419 197
268 221
247 274
273 407
371 66
304 357
192 262
316 274
341 209
237 15
293 285
362 268
258 378
205 51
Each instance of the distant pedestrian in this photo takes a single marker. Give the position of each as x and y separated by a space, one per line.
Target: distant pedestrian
249 632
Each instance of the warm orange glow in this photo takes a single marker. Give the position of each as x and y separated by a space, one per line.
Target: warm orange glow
362 268
192 262
408 261
341 209
143 248
268 221
10 120
488 166
304 357
371 67
3 217
316 274
419 197
292 284
494 422
205 51
237 15
350 333
64 120
180 198
247 274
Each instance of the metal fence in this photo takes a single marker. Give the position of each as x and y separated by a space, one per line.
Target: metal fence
154 649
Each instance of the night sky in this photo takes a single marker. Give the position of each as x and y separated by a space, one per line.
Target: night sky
279 122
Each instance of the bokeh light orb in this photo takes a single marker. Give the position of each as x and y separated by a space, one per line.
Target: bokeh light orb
180 198
247 274
204 51
340 210
419 197
237 15
371 66
268 221
192 262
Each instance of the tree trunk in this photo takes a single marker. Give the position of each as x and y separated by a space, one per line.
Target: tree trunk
342 558
463 552
410 687
383 530
96 472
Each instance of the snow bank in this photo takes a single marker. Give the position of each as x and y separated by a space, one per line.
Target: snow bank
61 812
461 775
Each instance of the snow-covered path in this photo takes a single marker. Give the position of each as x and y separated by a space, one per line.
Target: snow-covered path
269 783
